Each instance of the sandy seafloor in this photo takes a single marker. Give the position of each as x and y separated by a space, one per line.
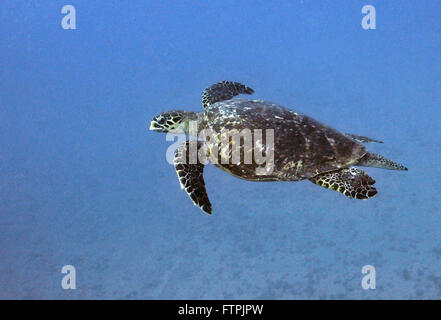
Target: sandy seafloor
84 183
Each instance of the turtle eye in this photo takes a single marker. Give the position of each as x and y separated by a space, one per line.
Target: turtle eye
161 120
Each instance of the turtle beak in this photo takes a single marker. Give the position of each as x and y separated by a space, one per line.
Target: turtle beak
153 126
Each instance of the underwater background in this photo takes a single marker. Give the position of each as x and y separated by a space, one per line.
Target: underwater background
84 183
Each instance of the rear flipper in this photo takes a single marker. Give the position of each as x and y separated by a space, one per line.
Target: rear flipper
362 139
352 182
377 161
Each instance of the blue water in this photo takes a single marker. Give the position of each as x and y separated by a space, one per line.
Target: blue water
84 183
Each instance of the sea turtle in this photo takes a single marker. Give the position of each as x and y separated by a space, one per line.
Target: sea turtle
301 147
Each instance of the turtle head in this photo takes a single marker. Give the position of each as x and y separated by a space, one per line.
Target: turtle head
173 121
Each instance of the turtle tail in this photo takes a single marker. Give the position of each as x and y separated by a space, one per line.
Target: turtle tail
378 161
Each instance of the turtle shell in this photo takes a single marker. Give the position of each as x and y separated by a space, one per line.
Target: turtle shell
301 147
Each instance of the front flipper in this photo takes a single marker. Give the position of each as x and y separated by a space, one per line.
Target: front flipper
352 182
224 90
362 139
191 176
